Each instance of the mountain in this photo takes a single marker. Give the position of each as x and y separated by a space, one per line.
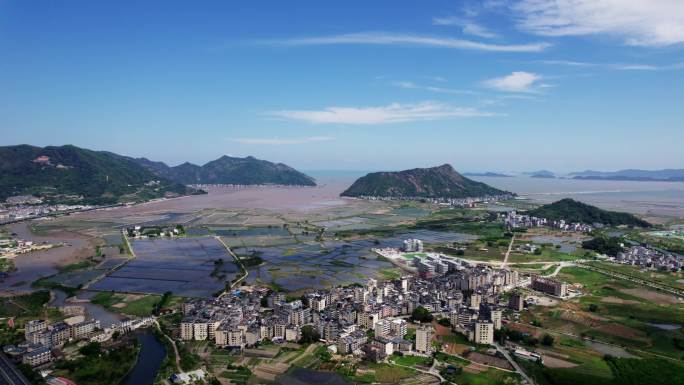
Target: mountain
667 175
435 182
540 174
230 170
489 174
66 173
573 211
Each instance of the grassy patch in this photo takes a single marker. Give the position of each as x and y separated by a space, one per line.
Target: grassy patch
407 360
105 368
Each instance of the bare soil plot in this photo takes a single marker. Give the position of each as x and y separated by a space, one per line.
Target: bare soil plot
475 369
619 301
490 360
622 331
270 371
553 362
653 296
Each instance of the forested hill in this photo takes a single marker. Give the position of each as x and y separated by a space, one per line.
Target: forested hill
69 173
435 182
573 211
231 170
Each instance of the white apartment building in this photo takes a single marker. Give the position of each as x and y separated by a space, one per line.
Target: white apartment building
424 340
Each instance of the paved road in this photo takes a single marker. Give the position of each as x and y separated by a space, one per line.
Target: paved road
559 267
515 364
508 252
173 344
237 261
9 374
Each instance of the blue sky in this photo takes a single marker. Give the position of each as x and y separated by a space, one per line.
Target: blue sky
352 85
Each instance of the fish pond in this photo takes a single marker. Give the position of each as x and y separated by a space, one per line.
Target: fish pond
295 266
185 266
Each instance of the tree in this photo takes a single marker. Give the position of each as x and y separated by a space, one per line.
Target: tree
547 340
421 314
593 307
91 349
444 322
309 335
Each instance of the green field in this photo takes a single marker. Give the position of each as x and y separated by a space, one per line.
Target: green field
407 360
141 307
669 278
624 371
624 313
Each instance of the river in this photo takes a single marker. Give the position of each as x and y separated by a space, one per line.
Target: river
152 352
151 355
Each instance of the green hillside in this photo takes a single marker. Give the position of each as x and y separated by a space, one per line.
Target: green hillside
67 172
573 211
231 170
435 182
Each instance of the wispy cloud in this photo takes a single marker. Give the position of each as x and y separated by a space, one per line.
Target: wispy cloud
468 27
439 90
392 113
281 141
636 22
617 66
389 38
519 81
570 63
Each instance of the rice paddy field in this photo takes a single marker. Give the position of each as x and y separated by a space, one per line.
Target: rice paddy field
183 266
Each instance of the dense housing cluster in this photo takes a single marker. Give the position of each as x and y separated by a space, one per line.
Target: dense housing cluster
513 220
44 340
456 202
359 319
22 207
648 257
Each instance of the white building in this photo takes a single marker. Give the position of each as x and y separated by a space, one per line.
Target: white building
413 245
483 333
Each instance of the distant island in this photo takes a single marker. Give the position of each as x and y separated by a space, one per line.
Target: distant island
441 182
230 170
540 174
69 174
667 175
489 174
571 210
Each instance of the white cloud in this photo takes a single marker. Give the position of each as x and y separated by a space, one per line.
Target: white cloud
468 27
519 81
280 142
392 113
439 90
637 22
387 38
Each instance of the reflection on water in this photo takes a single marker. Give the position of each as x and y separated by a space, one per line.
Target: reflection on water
659 198
299 376
152 353
318 265
97 312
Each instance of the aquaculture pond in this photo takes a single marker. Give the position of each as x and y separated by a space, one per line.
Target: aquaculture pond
315 265
184 266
